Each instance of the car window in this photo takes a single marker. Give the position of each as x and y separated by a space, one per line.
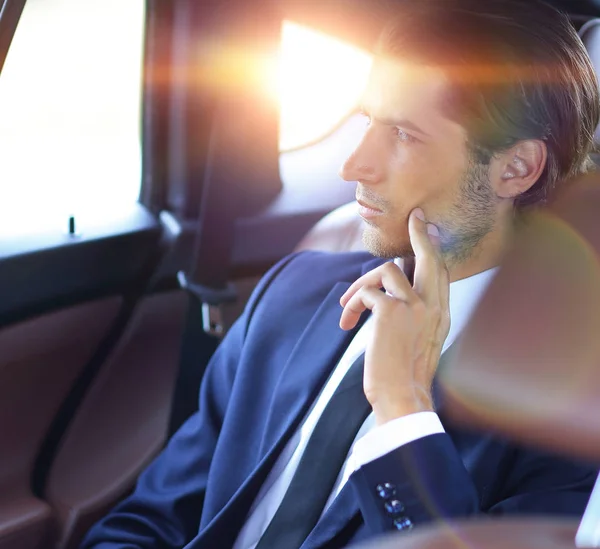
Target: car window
321 80
70 113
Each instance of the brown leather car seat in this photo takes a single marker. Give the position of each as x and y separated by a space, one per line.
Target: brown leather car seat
338 231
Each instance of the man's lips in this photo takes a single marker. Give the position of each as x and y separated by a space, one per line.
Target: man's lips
367 211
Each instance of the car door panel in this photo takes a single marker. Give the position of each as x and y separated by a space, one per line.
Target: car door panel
66 302
122 422
42 271
39 361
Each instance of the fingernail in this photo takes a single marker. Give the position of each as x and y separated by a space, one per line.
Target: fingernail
419 213
433 230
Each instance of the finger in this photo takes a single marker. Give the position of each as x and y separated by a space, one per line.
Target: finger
428 260
444 287
408 266
365 298
387 276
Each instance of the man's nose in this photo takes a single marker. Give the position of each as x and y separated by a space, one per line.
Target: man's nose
361 165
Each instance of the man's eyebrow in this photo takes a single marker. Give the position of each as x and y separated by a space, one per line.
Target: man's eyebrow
401 122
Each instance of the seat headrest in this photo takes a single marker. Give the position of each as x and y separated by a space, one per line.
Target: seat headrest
339 231
590 36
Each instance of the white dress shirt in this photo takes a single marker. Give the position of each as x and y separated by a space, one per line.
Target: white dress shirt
371 442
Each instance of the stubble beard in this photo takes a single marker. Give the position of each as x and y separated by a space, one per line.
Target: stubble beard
470 218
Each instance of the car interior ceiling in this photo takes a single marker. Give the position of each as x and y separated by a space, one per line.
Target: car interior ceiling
100 346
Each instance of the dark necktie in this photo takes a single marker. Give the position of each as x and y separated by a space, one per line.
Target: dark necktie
320 464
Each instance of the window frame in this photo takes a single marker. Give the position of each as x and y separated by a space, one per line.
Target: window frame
10 14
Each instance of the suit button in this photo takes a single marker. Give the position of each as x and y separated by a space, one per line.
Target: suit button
394 507
386 491
403 523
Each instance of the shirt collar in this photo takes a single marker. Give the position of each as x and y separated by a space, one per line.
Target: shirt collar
464 297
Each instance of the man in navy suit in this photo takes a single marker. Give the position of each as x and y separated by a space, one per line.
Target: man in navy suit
477 110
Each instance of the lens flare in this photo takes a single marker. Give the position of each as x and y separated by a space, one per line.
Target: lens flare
320 82
528 363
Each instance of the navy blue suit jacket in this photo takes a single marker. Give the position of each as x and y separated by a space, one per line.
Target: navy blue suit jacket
258 387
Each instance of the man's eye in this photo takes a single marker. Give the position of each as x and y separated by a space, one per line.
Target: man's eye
403 136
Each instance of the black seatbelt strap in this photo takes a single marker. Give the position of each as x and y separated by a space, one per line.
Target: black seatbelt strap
240 177
207 278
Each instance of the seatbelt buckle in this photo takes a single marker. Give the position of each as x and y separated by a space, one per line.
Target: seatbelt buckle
212 320
212 300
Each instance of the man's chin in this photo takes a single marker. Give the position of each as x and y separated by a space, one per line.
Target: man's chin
379 246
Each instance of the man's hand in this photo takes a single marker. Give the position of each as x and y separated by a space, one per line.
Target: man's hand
411 324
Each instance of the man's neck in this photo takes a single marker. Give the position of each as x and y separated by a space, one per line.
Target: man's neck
487 254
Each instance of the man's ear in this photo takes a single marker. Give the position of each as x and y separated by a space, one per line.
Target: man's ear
514 171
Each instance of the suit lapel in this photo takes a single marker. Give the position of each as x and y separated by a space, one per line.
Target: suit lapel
316 354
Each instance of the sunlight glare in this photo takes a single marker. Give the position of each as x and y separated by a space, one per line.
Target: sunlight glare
321 80
70 113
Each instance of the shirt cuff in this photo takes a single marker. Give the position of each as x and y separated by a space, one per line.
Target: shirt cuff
391 435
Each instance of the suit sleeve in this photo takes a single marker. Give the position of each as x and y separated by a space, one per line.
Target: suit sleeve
164 509
426 480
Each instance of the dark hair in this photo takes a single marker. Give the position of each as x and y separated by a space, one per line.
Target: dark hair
518 70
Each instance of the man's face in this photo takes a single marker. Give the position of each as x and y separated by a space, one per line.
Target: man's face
411 156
